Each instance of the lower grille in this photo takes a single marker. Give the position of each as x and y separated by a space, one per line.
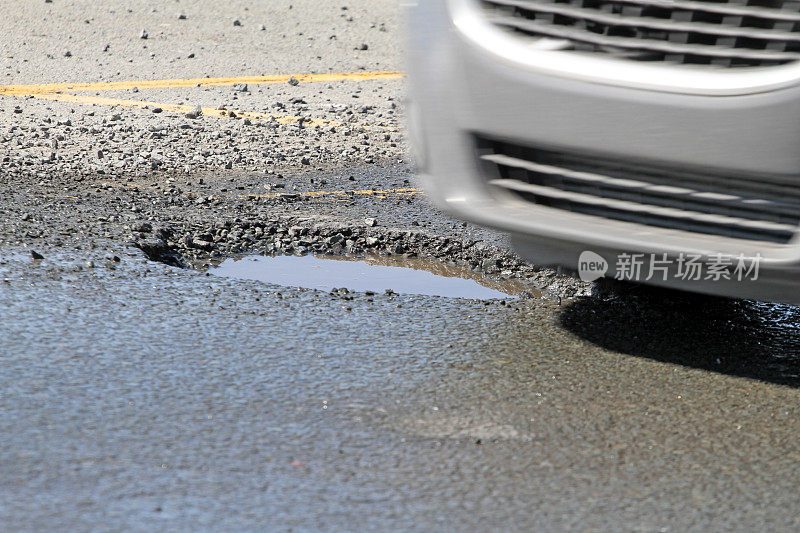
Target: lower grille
740 33
705 203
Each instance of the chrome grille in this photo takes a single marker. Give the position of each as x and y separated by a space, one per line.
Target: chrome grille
741 33
732 206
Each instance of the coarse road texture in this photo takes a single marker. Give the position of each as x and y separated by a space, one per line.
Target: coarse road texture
139 393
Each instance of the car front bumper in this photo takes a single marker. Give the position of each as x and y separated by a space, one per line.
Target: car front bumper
461 88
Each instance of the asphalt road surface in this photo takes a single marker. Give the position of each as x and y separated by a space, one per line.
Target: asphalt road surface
137 392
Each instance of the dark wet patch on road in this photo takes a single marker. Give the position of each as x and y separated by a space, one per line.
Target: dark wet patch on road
738 337
370 273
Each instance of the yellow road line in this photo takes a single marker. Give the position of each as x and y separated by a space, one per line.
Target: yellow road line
402 191
207 111
378 193
193 82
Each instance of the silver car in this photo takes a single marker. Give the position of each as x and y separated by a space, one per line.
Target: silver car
655 141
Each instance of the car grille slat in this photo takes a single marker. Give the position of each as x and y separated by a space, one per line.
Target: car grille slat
644 194
638 21
664 195
633 207
677 7
629 43
717 34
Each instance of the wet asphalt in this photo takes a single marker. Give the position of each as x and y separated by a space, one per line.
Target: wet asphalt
137 395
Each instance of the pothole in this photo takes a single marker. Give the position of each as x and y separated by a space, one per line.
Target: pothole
369 273
206 245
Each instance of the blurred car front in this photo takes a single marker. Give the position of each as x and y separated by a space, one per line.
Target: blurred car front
653 129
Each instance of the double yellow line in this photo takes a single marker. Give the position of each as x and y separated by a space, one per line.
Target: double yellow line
25 90
65 92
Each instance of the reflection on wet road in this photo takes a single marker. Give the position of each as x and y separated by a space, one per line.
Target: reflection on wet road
370 273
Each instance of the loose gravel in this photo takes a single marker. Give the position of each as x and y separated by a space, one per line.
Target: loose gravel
190 187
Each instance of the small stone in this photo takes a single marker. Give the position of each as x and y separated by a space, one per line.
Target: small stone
143 34
371 222
194 113
292 81
106 48
181 16
157 110
263 28
26 216
364 46
100 154
304 161
237 22
36 255
114 117
240 87
67 53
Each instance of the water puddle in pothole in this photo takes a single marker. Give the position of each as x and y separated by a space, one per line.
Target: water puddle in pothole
370 273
